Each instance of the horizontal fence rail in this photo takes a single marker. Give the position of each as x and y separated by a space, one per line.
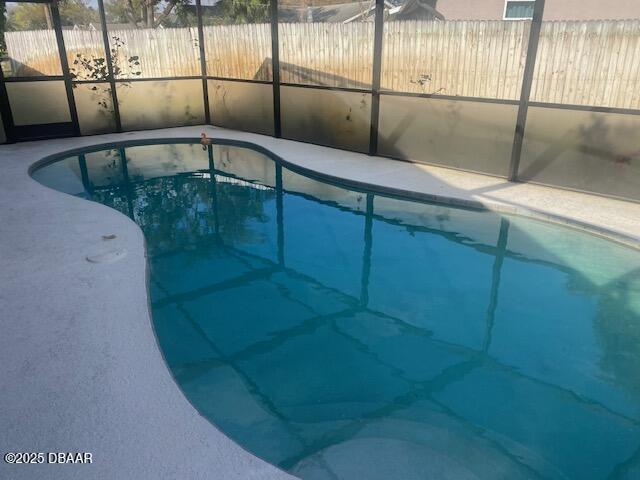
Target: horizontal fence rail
582 63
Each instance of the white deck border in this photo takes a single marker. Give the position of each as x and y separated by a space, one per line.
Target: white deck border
80 369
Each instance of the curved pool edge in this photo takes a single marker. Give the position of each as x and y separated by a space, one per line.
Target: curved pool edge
355 184
82 370
152 449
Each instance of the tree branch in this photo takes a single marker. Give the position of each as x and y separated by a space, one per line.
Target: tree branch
132 14
166 12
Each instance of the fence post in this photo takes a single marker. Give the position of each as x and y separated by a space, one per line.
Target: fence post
525 92
275 70
203 63
64 62
375 77
111 79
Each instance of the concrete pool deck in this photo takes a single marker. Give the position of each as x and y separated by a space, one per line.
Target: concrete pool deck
81 370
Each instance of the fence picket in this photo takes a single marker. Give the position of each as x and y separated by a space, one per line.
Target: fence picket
585 63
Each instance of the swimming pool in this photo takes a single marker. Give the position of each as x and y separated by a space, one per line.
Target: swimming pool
346 334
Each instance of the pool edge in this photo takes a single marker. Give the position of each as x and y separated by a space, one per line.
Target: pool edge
447 200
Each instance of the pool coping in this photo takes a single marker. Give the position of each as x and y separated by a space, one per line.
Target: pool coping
110 389
537 214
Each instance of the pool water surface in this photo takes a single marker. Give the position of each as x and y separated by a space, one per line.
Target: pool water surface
341 334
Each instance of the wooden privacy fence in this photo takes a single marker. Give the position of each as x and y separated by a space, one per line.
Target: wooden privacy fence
469 58
33 52
169 52
589 63
585 63
238 51
336 54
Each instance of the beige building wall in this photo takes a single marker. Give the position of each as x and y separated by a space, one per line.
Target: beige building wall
554 9
471 9
591 10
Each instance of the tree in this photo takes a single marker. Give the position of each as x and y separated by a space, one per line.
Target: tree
152 13
77 12
244 11
29 16
37 16
3 28
145 13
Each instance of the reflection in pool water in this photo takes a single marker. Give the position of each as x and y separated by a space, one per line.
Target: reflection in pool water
341 334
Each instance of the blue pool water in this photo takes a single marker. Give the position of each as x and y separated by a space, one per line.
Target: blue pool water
348 335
